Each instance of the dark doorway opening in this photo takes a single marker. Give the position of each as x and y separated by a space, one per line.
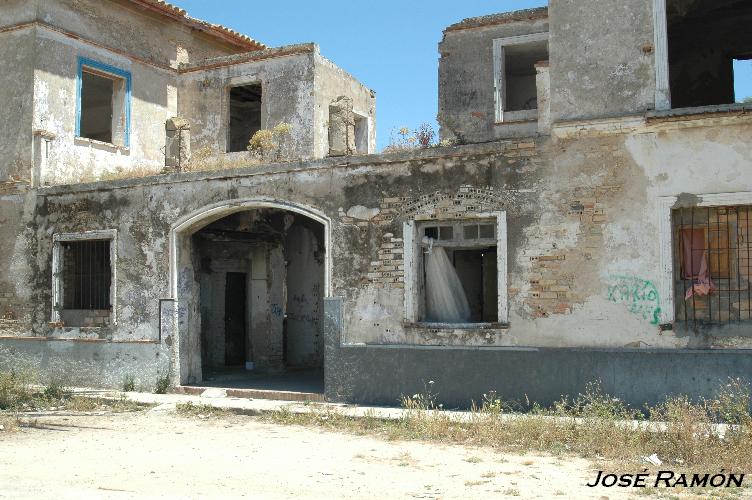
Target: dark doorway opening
235 318
261 294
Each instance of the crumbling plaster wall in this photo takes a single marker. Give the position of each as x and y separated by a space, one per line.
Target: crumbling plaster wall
581 215
16 78
125 27
153 100
601 58
466 82
287 85
331 82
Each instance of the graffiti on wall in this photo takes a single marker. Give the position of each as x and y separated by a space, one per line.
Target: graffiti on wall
639 295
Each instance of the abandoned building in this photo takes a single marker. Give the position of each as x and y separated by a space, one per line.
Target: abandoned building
586 217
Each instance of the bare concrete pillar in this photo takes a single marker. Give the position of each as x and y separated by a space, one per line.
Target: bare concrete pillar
341 127
178 142
543 83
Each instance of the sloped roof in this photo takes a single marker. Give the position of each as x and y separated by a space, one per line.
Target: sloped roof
502 18
217 30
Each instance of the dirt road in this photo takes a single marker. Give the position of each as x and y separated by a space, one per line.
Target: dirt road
163 455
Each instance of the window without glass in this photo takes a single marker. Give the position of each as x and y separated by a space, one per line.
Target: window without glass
103 106
85 273
245 116
458 282
516 92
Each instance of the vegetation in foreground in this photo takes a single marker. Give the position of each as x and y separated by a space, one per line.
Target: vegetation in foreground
684 435
19 395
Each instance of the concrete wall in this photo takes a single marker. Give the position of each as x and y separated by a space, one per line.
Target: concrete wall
466 77
601 58
331 82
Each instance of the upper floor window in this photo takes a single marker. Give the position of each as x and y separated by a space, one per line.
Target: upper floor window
709 44
515 89
103 103
245 115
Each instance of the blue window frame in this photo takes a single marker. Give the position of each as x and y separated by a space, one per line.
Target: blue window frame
105 69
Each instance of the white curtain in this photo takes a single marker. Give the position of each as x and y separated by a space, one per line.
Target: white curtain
446 301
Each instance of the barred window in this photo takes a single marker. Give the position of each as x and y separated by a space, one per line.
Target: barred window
713 266
86 274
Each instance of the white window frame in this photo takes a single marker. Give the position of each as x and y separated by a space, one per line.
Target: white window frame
412 250
666 233
57 268
500 87
660 42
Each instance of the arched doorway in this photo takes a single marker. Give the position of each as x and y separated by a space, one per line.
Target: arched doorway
249 278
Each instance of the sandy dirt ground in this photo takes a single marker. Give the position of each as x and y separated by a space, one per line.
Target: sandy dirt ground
164 455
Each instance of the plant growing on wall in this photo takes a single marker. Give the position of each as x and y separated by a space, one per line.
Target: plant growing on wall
271 144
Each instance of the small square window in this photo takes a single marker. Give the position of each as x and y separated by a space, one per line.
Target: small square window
486 231
470 232
431 232
446 233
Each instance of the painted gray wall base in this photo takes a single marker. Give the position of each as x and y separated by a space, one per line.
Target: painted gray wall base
380 374
87 364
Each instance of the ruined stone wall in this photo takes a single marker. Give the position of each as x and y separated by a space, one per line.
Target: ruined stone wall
331 82
582 218
287 85
466 80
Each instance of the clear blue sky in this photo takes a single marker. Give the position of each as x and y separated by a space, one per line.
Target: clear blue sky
389 45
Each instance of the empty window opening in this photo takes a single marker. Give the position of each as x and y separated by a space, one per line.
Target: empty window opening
705 37
712 256
245 115
459 282
361 134
86 282
516 89
743 80
103 103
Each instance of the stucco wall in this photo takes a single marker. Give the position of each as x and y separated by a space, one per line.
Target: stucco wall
71 159
125 27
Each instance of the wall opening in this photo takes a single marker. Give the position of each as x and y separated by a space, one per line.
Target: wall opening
458 272
361 134
245 115
743 80
704 39
103 112
259 279
516 91
83 284
712 266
